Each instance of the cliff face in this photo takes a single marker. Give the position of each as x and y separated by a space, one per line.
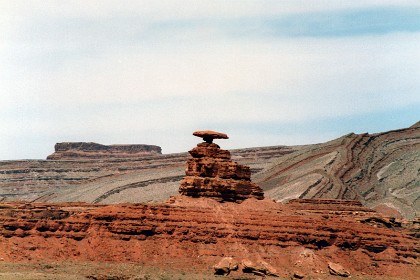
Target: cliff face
90 150
196 233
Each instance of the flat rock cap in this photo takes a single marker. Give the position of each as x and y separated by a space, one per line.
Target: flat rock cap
209 134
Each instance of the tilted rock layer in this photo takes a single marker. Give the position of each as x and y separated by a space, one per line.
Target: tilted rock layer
90 150
380 170
196 233
211 173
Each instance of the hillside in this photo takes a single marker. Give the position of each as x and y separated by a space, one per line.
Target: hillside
380 170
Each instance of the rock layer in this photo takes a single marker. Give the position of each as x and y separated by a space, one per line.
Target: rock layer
189 233
211 173
90 150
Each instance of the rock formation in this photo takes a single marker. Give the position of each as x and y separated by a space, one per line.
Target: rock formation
196 233
211 173
90 150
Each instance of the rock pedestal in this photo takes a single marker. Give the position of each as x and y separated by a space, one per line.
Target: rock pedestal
211 173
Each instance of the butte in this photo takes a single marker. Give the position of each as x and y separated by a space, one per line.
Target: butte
211 173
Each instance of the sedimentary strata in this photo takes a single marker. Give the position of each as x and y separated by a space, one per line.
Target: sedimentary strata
90 150
196 233
380 170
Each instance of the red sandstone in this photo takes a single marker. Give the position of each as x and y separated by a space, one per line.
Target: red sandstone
211 173
188 233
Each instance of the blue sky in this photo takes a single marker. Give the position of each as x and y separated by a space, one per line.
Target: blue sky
264 72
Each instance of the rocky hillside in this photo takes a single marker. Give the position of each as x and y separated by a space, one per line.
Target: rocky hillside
380 170
90 150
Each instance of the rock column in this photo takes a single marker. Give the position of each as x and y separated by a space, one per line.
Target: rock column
211 173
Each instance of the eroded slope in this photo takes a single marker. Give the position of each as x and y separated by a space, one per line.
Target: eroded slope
380 170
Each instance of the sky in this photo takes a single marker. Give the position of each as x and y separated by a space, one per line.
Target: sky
266 72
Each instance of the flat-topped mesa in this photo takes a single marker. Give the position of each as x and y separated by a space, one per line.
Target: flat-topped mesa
211 173
90 150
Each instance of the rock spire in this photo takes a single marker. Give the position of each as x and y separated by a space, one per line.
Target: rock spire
211 173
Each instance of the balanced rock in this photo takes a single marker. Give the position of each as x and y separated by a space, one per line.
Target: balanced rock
209 135
211 173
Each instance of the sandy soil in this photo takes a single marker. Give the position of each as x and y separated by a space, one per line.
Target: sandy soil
126 271
91 271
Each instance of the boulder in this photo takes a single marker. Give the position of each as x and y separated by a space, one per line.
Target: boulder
298 275
225 266
338 270
261 268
